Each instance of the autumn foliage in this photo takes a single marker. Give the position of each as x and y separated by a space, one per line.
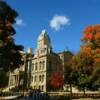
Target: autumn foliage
92 32
91 39
56 79
87 61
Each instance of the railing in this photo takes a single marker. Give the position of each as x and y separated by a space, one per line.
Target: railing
75 95
55 94
9 93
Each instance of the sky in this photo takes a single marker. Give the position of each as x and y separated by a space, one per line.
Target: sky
64 20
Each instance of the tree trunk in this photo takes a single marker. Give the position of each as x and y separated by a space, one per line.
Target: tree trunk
71 90
84 91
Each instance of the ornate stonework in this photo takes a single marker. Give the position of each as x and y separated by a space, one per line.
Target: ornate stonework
40 66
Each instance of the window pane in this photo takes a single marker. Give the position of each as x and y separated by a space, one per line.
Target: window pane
36 66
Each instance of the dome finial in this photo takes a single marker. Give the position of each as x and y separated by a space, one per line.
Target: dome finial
44 31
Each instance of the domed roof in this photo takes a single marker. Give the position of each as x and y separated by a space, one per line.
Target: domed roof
44 42
43 35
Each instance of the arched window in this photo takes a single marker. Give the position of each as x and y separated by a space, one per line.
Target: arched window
42 78
35 66
39 87
39 78
32 66
40 65
43 65
35 78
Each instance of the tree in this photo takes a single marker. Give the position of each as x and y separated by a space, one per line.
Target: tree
87 60
3 79
56 80
91 40
83 64
10 57
95 77
70 76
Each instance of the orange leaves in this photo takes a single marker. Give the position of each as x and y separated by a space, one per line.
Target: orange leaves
89 29
92 41
57 79
97 35
89 36
97 59
86 49
93 52
92 32
97 27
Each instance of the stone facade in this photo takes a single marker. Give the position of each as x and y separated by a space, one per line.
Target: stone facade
40 65
44 62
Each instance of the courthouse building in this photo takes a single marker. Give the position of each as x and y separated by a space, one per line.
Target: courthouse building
44 62
40 66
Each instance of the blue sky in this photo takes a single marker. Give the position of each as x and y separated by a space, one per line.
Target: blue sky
68 17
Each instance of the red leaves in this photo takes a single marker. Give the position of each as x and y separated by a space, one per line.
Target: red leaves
91 38
92 32
57 79
88 36
89 29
